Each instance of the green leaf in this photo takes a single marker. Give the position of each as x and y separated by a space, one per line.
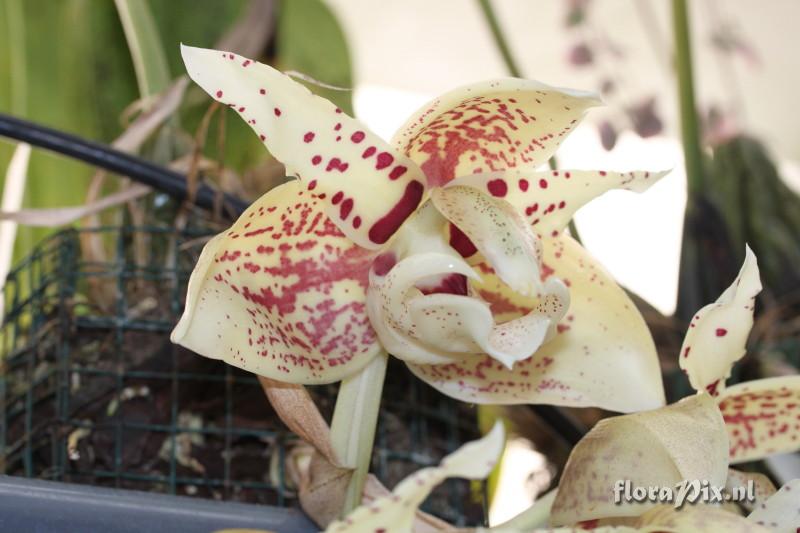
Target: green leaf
310 40
70 62
145 46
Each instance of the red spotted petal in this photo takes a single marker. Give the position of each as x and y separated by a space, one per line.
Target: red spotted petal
762 417
367 188
282 294
388 306
490 126
603 354
549 199
718 333
763 487
781 511
498 232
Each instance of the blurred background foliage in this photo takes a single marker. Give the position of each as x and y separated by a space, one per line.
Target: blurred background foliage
103 62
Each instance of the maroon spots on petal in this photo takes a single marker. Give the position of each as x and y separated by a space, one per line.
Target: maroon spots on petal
308 137
357 137
543 183
312 185
721 332
356 222
448 284
686 351
277 112
338 126
523 185
368 152
316 160
497 187
346 208
602 172
397 171
531 209
262 91
338 110
385 227
384 263
219 94
567 175
562 204
337 197
262 137
384 160
461 243
336 164
241 110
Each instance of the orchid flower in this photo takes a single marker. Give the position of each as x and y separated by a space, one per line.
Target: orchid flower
444 247
698 437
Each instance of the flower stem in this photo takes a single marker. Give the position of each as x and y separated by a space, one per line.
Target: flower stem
499 38
690 129
355 419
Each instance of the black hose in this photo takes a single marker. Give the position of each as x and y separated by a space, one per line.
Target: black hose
162 179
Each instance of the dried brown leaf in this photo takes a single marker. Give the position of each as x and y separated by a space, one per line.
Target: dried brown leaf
58 216
102 291
297 410
322 490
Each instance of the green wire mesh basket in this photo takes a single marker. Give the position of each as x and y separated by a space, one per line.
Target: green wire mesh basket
92 391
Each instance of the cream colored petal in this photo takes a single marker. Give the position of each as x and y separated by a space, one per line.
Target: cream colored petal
762 417
718 333
367 187
389 312
489 126
695 519
282 293
549 199
659 448
501 235
602 353
395 513
781 512
755 483
465 324
438 328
